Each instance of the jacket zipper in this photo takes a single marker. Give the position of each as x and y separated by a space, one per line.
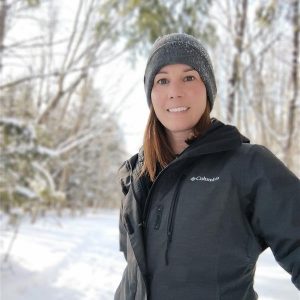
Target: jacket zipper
148 202
171 218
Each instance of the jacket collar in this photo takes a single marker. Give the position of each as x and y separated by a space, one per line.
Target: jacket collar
218 138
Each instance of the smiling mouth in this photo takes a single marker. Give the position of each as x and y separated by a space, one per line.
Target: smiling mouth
178 109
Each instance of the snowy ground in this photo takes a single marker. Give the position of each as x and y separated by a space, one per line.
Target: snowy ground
78 258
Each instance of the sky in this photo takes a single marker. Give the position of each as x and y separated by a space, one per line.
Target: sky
134 109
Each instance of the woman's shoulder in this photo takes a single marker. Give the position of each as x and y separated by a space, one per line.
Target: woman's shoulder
258 159
125 172
131 164
257 152
130 170
128 165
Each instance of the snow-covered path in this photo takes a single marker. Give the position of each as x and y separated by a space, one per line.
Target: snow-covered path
78 258
68 258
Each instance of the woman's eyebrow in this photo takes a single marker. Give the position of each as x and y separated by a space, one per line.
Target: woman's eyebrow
162 72
185 70
189 69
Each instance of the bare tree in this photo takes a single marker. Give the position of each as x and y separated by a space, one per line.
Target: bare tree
3 9
54 127
241 8
261 94
295 82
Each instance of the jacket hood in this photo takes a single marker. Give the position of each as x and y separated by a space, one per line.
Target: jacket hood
219 137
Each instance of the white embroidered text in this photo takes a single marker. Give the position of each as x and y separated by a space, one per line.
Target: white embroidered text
203 178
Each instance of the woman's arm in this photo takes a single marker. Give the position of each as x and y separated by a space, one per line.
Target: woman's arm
276 209
125 175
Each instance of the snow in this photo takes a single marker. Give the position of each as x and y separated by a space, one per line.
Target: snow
26 192
46 151
11 121
78 258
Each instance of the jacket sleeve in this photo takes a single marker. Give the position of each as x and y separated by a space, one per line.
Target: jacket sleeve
125 183
122 235
125 172
275 192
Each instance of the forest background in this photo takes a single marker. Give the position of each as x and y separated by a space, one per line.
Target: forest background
71 77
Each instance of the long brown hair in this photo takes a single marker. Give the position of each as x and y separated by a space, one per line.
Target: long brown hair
157 150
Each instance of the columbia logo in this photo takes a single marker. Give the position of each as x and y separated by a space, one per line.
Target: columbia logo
203 178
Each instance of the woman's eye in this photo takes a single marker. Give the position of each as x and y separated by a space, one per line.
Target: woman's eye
189 78
162 81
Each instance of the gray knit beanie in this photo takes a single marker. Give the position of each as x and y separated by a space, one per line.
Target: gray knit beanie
180 48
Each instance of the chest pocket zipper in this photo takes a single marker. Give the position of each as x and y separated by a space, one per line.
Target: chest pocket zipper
159 210
172 217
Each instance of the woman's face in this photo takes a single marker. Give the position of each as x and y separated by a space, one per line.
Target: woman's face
178 98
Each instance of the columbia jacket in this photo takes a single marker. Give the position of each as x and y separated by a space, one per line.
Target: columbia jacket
198 232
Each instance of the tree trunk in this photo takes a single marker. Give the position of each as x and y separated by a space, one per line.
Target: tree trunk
295 82
3 8
234 80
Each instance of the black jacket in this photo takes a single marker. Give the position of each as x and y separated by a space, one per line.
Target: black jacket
207 217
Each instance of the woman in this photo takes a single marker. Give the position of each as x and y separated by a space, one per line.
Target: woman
201 203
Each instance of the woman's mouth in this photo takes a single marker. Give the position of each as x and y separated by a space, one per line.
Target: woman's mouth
177 109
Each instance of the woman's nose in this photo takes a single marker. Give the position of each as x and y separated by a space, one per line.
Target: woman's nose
175 91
